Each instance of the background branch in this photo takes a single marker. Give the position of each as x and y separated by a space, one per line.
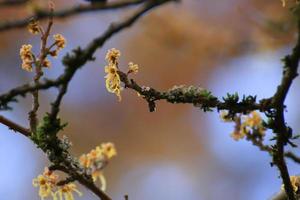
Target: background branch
6 3
44 14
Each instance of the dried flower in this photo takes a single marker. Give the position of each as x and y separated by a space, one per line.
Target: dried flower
34 27
60 41
27 57
54 53
46 63
132 68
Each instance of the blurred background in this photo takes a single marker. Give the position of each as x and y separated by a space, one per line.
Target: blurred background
177 152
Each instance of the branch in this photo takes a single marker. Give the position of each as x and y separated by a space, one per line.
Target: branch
44 14
14 126
284 133
78 58
199 97
26 88
12 3
46 136
84 179
292 156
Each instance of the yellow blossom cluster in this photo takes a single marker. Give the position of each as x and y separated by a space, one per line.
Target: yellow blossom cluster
96 160
65 192
132 68
34 27
113 81
47 183
59 42
245 124
29 59
295 181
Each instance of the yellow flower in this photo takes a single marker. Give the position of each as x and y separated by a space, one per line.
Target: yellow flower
295 181
109 150
97 174
25 52
132 68
85 161
27 57
46 183
237 135
45 187
97 159
253 120
60 41
52 177
112 55
240 131
34 27
113 82
27 66
65 192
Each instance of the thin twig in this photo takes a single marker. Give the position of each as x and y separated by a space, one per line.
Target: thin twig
14 126
292 156
39 73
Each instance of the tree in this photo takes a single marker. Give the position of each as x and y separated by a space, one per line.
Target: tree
242 111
